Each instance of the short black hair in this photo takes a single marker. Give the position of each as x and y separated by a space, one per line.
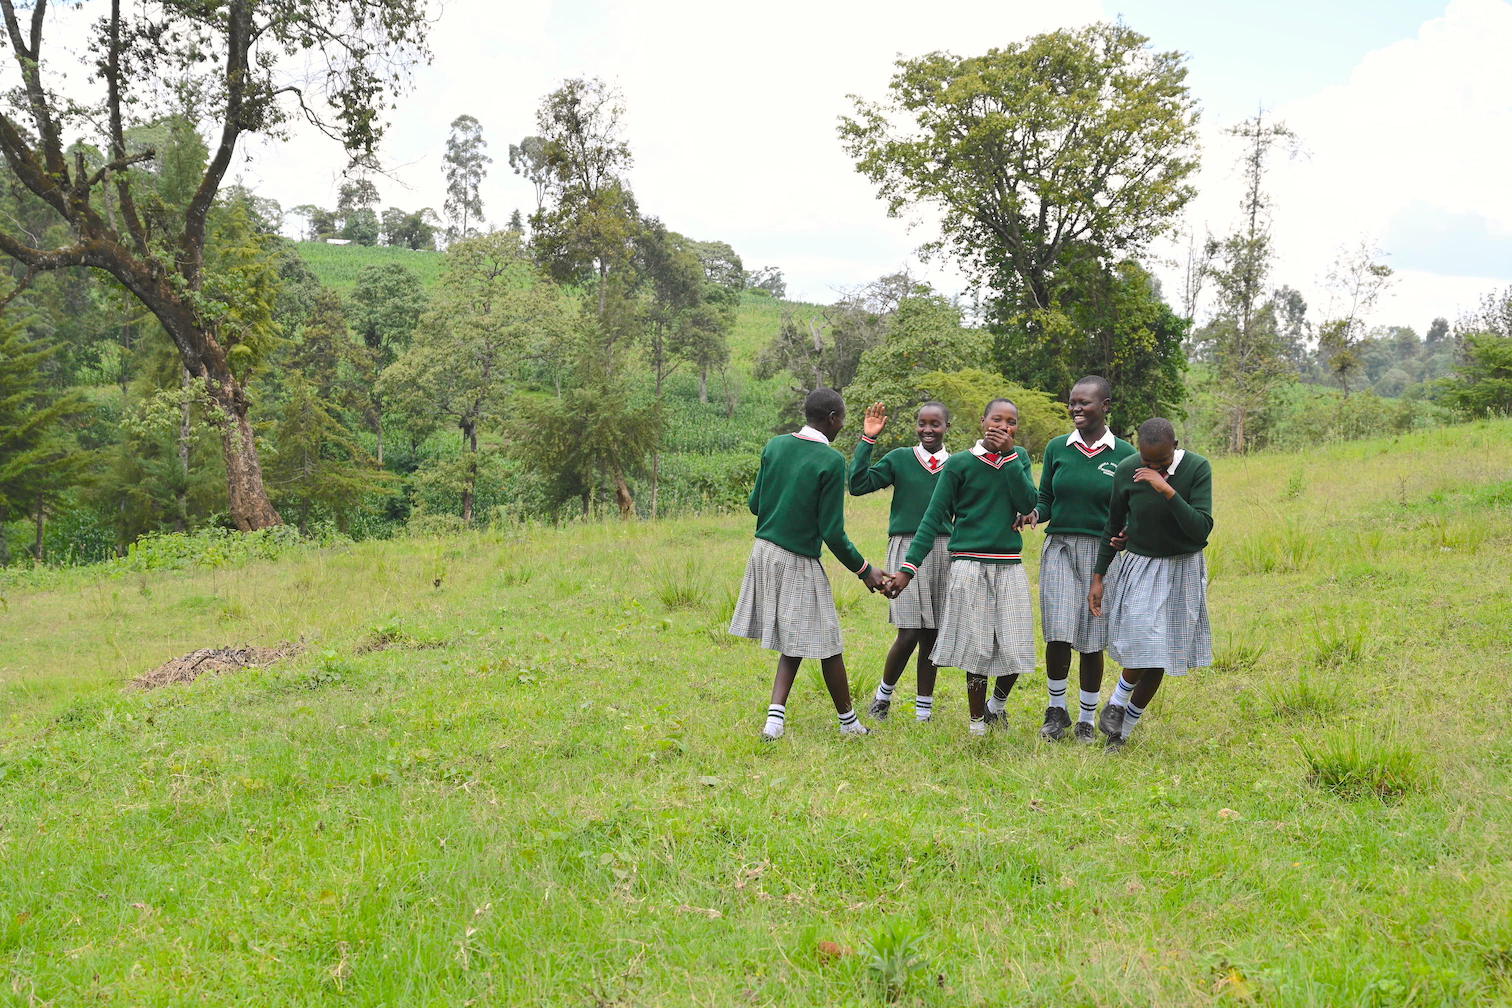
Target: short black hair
821 403
1157 430
988 408
937 405
1104 389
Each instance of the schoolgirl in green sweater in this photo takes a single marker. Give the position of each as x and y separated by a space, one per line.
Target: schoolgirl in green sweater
1076 481
785 600
913 473
1162 509
987 628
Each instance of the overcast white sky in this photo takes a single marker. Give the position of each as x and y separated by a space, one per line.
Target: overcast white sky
1404 109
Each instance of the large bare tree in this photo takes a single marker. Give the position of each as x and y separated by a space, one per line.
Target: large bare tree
226 61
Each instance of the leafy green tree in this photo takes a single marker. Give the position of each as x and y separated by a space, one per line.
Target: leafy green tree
1483 385
38 460
1082 137
490 312
529 160
585 233
412 230
317 470
767 280
925 336
233 57
1244 340
1438 331
966 393
386 306
550 431
1357 281
321 223
465 166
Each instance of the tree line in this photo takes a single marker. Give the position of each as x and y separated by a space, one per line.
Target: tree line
167 359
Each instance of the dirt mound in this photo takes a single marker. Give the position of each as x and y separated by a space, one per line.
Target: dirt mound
212 661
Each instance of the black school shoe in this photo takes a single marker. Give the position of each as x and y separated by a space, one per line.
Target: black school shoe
880 709
1110 721
1115 743
1085 734
1057 720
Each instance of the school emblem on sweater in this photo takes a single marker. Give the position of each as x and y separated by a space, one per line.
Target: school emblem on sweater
1108 468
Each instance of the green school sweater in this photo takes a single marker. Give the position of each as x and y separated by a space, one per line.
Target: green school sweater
983 494
912 480
1159 527
799 499
1075 485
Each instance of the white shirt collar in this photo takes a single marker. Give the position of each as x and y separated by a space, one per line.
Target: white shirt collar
924 457
810 434
1106 441
1176 458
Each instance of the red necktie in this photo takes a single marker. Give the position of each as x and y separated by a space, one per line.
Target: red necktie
934 463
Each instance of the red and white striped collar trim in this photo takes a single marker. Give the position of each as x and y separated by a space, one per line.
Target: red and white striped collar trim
996 461
1106 441
810 434
933 461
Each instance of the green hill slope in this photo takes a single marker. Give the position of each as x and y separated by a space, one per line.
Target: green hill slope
337 267
547 789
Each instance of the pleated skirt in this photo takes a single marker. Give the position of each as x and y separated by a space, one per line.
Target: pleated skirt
1157 613
988 628
786 604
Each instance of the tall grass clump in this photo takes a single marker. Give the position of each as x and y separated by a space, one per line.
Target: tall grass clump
1304 696
1336 646
682 586
1275 550
1239 656
1357 763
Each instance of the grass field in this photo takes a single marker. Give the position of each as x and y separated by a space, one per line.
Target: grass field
337 266
548 790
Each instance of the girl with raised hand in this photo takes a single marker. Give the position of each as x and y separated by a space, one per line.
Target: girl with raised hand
912 473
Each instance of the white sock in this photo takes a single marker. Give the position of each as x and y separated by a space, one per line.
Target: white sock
849 725
1057 689
979 726
1131 718
1088 707
996 706
923 708
1121 693
776 715
884 691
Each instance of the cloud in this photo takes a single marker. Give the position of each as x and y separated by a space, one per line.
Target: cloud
1409 153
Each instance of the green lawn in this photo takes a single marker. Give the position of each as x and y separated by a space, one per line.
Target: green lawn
554 794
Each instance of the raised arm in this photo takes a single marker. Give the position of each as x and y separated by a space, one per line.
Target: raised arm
865 477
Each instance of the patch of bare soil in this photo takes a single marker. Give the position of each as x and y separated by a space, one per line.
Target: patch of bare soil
213 661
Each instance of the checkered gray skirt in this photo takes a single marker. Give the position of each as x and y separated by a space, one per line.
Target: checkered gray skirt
1066 565
922 604
785 603
1157 613
988 627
